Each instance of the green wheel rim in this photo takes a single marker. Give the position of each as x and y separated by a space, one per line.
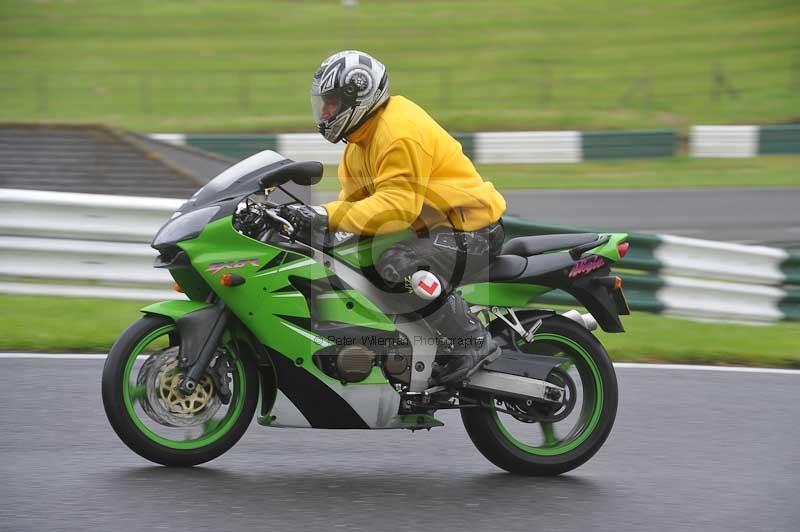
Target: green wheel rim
573 442
215 431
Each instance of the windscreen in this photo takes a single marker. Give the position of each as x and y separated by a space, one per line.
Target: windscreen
218 198
232 177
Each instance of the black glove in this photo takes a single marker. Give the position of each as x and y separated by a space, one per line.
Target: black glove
305 219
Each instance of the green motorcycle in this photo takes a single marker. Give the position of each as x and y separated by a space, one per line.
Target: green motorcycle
304 334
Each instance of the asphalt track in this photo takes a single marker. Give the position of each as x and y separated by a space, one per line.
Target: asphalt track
691 450
769 216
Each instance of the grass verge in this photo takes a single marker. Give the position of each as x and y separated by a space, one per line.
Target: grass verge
51 324
243 65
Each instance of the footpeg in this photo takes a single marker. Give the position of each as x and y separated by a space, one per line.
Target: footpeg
434 389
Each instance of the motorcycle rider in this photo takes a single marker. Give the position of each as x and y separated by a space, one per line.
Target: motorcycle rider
401 169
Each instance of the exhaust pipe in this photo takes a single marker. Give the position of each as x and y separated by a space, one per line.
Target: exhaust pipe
585 320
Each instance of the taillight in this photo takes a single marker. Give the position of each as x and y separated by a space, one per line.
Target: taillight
622 249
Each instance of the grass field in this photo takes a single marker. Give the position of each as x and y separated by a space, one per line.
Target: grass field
245 65
676 172
91 325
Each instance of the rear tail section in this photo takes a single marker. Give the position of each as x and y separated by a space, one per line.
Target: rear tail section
583 271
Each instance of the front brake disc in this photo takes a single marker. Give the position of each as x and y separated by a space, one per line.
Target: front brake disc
164 403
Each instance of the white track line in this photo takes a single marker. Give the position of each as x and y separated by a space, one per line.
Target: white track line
691 367
61 356
617 365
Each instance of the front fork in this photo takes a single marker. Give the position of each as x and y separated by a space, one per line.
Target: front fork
200 334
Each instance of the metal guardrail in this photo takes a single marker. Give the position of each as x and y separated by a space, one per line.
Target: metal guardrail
97 246
82 216
88 245
698 278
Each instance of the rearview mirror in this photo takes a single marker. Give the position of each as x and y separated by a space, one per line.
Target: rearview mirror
304 173
312 174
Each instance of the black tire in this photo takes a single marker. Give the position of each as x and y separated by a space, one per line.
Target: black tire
483 425
136 439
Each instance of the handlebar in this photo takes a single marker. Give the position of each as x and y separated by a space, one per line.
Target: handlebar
272 213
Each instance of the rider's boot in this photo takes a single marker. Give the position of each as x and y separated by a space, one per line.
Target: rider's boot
472 343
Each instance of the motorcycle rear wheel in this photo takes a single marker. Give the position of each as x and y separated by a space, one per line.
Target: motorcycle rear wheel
133 421
507 442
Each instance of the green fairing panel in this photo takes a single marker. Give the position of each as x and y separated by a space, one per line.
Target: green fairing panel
220 243
351 306
267 303
502 294
174 309
367 251
609 249
264 296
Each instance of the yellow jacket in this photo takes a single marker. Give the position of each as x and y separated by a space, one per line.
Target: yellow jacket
401 169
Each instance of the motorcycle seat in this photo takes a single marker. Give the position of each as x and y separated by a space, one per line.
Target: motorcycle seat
502 268
526 246
515 268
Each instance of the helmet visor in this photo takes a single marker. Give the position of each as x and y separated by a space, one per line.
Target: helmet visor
325 106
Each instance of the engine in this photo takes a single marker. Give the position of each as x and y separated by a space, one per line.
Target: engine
354 363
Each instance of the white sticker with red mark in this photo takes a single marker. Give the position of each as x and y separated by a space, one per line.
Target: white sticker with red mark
426 285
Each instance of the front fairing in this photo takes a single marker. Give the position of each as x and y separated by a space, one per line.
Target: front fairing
283 303
218 198
273 300
238 181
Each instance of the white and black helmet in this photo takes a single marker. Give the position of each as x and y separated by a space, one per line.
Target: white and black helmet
347 88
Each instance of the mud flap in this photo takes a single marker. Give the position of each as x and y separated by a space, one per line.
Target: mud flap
602 302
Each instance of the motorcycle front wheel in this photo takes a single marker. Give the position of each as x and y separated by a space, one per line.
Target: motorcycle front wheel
150 415
565 437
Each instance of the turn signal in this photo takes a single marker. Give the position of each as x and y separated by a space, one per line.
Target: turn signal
617 283
230 279
622 249
177 287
